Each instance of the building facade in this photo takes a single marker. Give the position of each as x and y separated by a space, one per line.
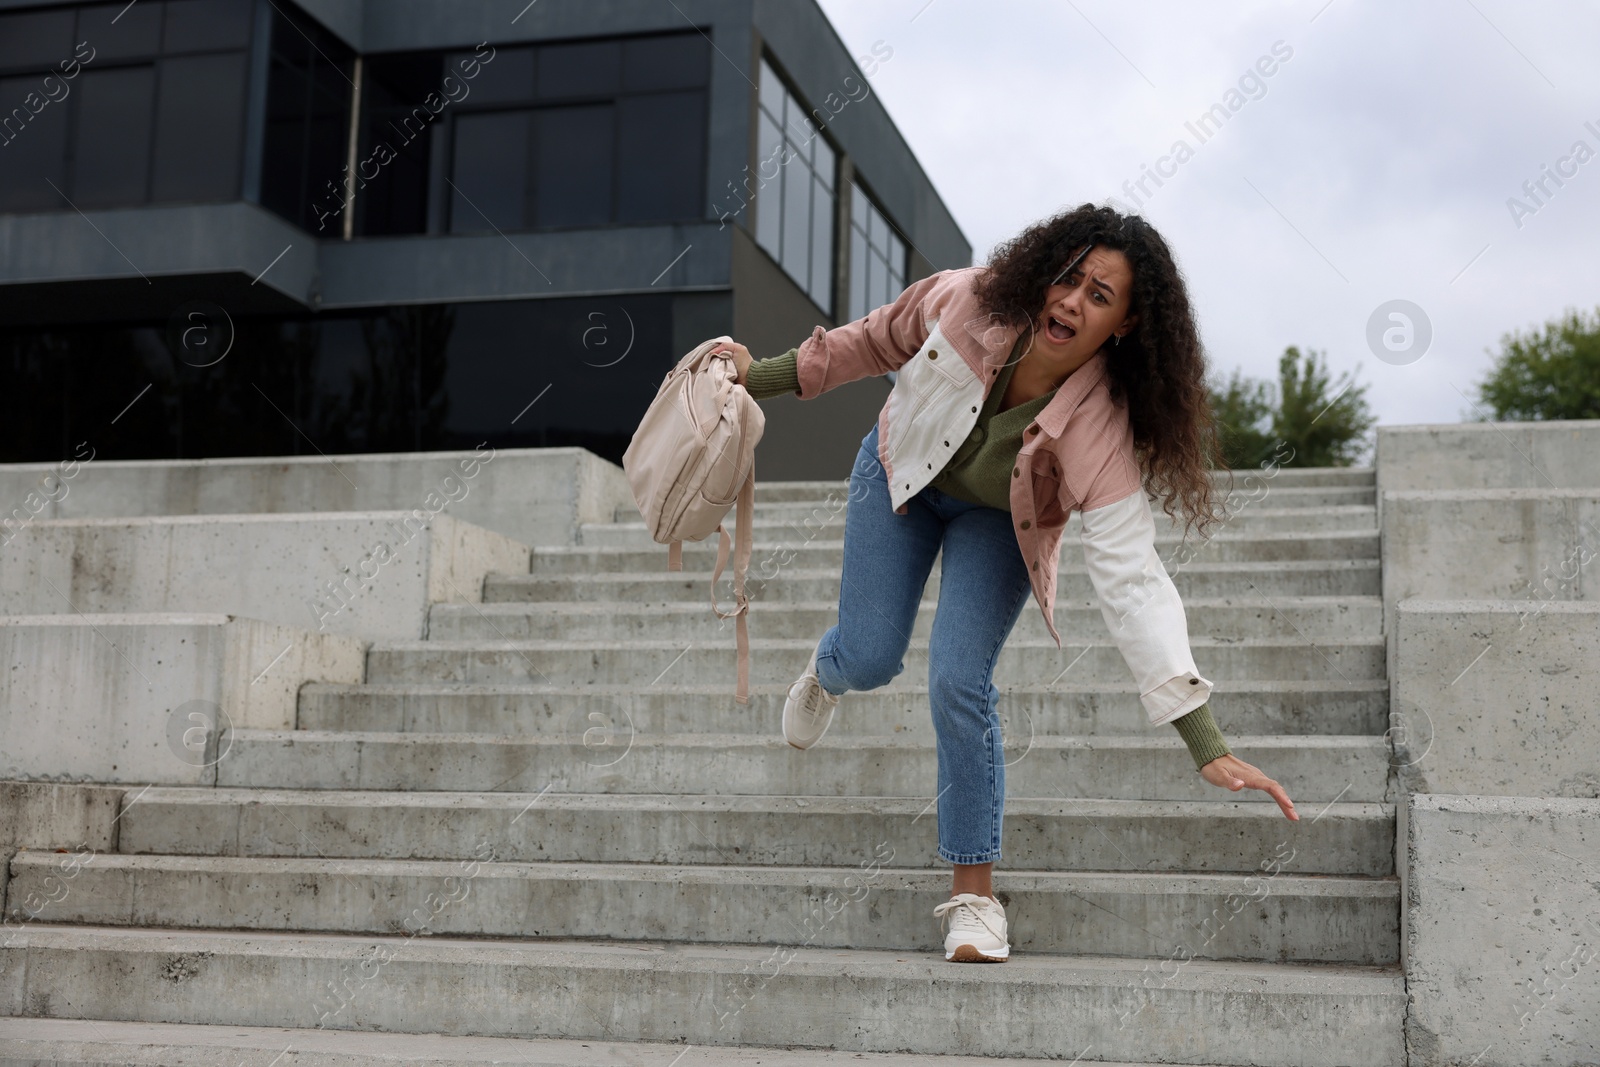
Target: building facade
262 227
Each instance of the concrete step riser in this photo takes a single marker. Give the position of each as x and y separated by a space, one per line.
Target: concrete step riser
1218 836
1274 497
901 710
1243 481
612 757
720 995
767 560
701 664
825 522
1309 919
1286 618
1264 581
32 1042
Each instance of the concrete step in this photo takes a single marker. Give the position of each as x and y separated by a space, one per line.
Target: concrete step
1316 708
1243 480
1344 616
1220 916
32 1042
544 825
820 517
767 560
1264 581
1293 1015
773 660
1241 499
613 758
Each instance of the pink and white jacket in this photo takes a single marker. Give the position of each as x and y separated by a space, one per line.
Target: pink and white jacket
1077 456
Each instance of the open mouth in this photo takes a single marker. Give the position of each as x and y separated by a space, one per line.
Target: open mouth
1059 331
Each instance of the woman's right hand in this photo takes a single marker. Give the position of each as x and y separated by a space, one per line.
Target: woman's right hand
741 357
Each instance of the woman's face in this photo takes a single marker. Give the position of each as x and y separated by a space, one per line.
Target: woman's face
1087 304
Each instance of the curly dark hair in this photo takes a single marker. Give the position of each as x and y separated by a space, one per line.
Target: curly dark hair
1158 369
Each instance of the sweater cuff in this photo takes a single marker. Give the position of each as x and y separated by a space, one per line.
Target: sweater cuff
774 376
1199 731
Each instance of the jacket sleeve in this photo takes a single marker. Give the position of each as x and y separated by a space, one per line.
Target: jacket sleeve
1141 606
875 344
772 377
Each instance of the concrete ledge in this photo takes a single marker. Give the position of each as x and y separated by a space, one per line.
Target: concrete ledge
534 495
371 574
1502 924
1532 544
151 698
164 239
1490 455
1499 697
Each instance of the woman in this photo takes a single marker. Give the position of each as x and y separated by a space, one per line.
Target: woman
1067 375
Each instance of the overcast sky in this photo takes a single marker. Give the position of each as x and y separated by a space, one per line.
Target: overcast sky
1374 164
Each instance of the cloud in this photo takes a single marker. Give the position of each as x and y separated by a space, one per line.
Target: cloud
1375 166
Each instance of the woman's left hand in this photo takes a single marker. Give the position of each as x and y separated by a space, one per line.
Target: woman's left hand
1233 773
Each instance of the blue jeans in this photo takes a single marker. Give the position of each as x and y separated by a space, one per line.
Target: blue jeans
983 585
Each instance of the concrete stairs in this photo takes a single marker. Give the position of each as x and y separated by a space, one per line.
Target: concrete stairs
550 821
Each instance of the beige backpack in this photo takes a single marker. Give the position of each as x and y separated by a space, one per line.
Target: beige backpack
691 460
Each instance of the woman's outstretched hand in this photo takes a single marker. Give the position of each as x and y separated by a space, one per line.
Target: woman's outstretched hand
1233 773
741 357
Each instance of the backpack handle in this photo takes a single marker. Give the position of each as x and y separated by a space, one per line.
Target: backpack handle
742 541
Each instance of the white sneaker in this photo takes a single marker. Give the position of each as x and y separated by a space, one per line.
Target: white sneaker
809 708
977 929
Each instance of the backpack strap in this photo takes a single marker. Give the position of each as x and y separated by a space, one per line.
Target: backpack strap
742 542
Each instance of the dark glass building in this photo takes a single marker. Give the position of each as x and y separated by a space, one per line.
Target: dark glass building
264 227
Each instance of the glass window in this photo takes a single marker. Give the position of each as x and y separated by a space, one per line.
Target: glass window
288 90
802 133
33 146
771 90
593 68
199 128
575 146
117 31
206 25
661 144
308 113
769 147
797 223
679 61
877 252
825 163
490 172
399 378
795 203
158 113
111 144
600 142
821 237
858 276
35 40
507 77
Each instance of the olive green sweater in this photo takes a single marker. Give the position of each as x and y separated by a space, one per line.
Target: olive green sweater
979 473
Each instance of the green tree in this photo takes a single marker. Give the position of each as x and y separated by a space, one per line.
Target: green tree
1307 418
1324 421
1553 373
1243 411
